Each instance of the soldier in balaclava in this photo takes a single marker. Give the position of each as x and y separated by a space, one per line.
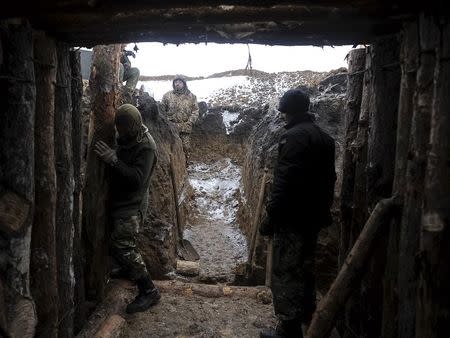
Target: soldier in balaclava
131 166
181 107
298 207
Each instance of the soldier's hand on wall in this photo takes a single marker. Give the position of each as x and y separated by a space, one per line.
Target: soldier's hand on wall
266 228
106 154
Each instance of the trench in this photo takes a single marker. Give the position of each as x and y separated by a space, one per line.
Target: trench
211 225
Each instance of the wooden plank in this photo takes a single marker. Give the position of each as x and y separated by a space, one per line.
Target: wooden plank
44 283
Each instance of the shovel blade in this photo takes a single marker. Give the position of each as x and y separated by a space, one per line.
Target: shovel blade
187 252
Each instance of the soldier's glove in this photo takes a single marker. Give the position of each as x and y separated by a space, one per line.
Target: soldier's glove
106 154
266 228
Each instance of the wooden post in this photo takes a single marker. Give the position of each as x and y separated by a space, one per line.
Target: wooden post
359 217
356 64
433 299
77 137
380 169
352 270
415 176
65 189
103 88
17 99
408 63
44 283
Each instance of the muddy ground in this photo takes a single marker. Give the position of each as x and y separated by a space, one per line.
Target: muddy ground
200 317
212 227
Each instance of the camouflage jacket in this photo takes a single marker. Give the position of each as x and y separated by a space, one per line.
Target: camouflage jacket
181 109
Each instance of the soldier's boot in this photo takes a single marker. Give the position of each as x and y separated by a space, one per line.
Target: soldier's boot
285 329
148 296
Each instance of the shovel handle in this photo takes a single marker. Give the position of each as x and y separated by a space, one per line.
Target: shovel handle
175 197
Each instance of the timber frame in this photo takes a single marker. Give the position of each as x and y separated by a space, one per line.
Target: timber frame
286 22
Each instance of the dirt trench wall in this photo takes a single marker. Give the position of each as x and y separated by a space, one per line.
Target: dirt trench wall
211 139
327 105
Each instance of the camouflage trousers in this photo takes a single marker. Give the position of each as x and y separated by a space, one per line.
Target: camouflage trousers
131 76
293 280
123 247
186 141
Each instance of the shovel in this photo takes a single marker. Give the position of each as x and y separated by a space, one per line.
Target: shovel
251 252
185 249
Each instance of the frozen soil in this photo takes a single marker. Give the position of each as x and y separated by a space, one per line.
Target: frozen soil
197 317
211 226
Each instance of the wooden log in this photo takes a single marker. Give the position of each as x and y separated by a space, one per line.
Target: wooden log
415 177
380 170
77 137
356 65
117 294
103 89
213 291
352 270
111 328
65 189
44 284
391 290
17 99
188 268
359 217
433 300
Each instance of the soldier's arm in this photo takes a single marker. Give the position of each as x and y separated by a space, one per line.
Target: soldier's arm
136 173
288 171
164 106
195 111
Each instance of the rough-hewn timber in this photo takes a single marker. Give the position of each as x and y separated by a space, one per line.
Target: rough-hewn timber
408 63
65 189
352 270
415 175
433 299
77 136
359 217
356 64
17 98
44 284
380 168
103 87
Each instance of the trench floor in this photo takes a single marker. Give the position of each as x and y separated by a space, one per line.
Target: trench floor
211 225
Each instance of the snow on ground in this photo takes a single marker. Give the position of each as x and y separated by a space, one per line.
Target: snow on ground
203 89
212 227
241 91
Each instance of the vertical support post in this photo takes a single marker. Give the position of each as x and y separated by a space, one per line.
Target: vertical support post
44 283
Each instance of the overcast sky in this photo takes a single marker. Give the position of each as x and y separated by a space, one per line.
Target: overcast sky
203 60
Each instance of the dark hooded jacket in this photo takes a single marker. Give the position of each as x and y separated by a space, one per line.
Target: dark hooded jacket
303 185
130 176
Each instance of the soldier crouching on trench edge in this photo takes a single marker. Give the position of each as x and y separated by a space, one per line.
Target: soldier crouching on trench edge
299 206
131 166
181 108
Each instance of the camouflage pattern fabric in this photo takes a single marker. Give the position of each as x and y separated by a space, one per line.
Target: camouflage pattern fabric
186 141
123 246
181 109
130 75
293 280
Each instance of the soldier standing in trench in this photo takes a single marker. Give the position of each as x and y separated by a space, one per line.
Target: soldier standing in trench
131 166
181 108
299 206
